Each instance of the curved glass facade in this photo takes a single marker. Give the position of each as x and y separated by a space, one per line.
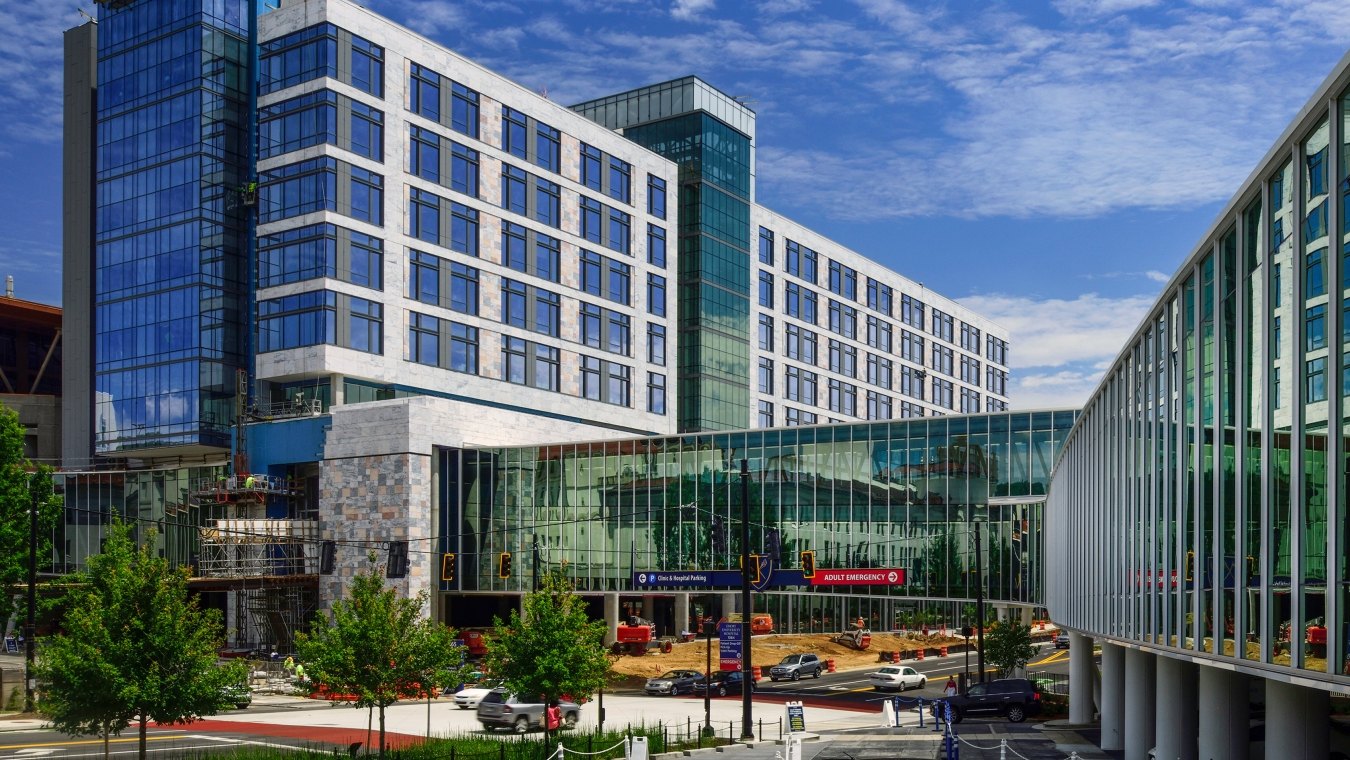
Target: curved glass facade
1202 491
897 494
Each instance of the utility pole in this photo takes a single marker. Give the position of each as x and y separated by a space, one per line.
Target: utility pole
747 720
30 628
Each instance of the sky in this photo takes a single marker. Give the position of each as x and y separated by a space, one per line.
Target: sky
1048 163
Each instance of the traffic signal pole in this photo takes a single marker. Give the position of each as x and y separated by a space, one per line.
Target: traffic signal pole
747 720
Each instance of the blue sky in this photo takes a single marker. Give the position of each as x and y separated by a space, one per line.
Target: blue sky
1049 164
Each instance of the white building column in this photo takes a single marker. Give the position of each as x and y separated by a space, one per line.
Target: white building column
1296 722
682 612
731 602
1080 679
611 618
1224 719
1113 697
1175 709
1139 698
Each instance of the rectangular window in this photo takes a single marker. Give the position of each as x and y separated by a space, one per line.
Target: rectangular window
424 339
878 333
843 319
656 196
878 406
766 375
942 325
531 364
620 231
765 333
656 393
620 180
463 169
1317 380
970 370
309 186
843 358
548 203
548 147
801 344
996 381
464 107
942 360
879 371
970 338
316 52
656 344
591 167
911 311
766 290
942 393
801 261
843 281
765 414
424 154
970 401
656 246
992 404
513 189
514 125
1315 328
656 295
424 92
591 213
365 326
912 382
766 246
843 398
879 296
310 252
793 417
463 348
1315 282
911 346
996 350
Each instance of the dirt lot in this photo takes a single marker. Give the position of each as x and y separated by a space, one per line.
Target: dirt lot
768 650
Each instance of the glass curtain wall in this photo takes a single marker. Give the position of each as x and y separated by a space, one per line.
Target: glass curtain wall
887 495
1218 417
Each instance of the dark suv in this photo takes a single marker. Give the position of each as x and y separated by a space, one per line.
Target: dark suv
1012 698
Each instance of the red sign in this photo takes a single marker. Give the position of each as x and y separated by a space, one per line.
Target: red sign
859 577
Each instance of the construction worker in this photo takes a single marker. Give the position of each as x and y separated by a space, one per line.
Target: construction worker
289 665
299 672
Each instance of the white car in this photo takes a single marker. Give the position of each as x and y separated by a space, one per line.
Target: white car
469 697
897 677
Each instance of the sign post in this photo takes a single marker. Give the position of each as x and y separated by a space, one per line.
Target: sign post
729 646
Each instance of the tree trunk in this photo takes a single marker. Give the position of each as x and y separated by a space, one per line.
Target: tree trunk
144 721
381 732
106 754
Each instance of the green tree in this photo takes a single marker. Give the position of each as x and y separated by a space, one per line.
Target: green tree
1007 646
135 647
379 647
553 649
20 481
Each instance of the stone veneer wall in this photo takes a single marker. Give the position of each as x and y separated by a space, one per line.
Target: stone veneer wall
368 501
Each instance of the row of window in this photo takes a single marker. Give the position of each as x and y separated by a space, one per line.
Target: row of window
879 406
803 263
801 385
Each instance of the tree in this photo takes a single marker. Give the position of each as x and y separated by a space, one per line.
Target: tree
20 480
135 647
553 649
378 647
1007 646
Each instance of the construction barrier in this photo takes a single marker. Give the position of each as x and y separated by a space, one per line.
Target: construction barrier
895 657
666 647
920 654
829 665
754 671
942 652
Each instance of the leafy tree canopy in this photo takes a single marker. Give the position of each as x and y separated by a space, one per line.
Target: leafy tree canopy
135 647
378 647
20 480
1007 646
553 649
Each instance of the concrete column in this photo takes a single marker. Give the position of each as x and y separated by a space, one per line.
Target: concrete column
731 602
1080 679
1139 698
1175 715
1224 719
1113 697
1001 611
1296 722
682 613
611 618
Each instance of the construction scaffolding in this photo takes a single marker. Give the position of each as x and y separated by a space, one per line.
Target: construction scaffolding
271 616
256 548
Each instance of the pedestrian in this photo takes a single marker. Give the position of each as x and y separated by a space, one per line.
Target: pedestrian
950 689
553 717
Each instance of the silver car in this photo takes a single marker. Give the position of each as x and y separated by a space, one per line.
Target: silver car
497 709
673 682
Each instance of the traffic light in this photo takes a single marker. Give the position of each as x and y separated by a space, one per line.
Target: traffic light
504 565
327 556
808 564
448 567
398 560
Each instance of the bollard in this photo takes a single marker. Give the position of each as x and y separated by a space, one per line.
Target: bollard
921 712
754 671
761 729
1003 749
829 665
895 657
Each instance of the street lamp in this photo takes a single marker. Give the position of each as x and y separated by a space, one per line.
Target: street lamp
978 520
30 629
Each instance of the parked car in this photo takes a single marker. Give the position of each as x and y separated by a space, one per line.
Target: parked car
673 682
897 677
498 709
1062 640
723 682
795 666
468 697
1012 698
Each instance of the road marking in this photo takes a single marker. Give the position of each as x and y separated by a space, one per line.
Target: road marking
77 742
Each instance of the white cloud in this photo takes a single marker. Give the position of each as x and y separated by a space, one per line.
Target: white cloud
688 10
1098 8
31 68
1060 347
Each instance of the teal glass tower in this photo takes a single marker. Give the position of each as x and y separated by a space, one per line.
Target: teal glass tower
171 224
712 137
